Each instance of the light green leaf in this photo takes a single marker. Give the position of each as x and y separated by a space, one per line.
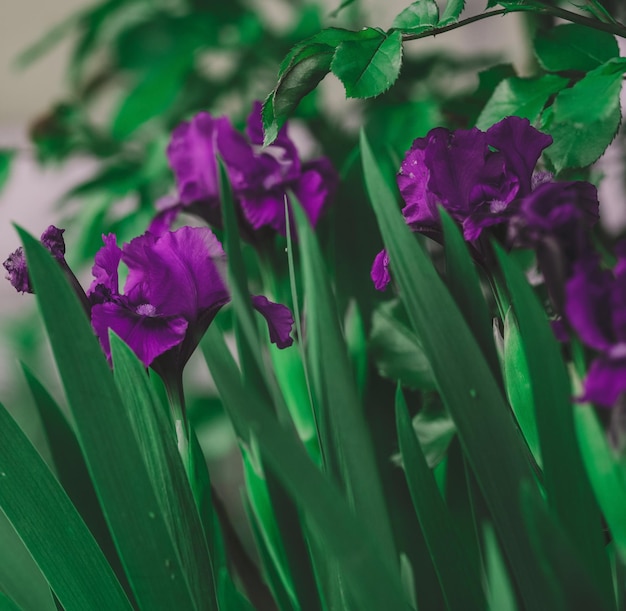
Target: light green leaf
521 97
53 531
435 430
6 160
501 593
417 17
574 47
368 66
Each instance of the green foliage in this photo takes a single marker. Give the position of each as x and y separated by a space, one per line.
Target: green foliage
574 47
6 159
417 17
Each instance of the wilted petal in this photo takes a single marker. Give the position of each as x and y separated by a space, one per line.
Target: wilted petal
380 271
279 320
17 271
148 334
52 239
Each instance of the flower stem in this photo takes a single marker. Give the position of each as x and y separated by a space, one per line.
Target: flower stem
535 7
176 399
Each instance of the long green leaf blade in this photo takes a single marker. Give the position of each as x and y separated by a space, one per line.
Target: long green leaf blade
103 429
53 531
488 434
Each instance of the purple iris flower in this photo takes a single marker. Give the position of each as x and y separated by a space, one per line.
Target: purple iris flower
380 271
260 177
478 177
173 290
596 309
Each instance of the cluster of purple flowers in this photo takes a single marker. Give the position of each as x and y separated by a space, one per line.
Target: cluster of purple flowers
489 180
173 290
261 178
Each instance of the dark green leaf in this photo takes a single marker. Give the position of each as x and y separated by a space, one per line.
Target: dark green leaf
568 490
230 597
521 97
396 350
501 593
574 47
7 604
345 438
343 534
157 439
6 159
368 66
53 531
451 13
560 560
417 17
458 575
435 430
104 430
470 392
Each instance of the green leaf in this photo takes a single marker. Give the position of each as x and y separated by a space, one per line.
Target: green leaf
522 97
469 390
435 430
368 66
588 112
153 95
345 438
560 560
72 470
103 428
464 284
371 582
458 575
604 471
417 17
396 350
501 593
517 384
53 531
157 439
6 160
451 13
574 47
7 604
568 490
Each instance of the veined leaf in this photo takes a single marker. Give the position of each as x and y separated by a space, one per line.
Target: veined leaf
368 66
53 531
574 47
417 17
104 430
473 397
520 97
458 576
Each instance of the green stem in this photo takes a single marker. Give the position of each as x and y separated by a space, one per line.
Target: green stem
176 399
615 29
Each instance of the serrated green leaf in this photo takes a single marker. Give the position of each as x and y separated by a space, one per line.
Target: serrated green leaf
396 350
458 575
417 17
451 13
588 112
521 97
103 429
574 47
369 580
368 66
569 492
53 531
472 396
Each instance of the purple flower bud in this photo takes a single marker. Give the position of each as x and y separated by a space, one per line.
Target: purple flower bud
17 271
